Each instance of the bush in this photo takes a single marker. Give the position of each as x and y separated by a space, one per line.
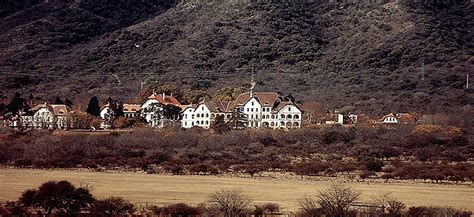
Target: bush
112 206
178 209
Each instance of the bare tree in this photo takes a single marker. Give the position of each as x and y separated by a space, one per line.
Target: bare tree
309 207
337 200
230 202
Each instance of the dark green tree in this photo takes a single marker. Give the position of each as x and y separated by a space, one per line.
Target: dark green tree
93 108
58 101
171 112
68 102
61 195
18 104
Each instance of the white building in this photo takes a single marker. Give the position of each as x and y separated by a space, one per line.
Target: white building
48 116
256 110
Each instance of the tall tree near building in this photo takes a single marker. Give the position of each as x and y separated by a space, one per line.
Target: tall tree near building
58 100
68 102
93 107
18 104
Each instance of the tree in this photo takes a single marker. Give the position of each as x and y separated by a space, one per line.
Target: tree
171 112
112 206
219 125
61 195
68 102
309 207
337 200
18 104
230 202
93 108
227 93
58 101
314 111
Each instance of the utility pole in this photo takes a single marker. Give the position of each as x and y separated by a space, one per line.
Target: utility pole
423 71
467 81
252 82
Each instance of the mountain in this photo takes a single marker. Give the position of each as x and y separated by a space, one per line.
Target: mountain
378 57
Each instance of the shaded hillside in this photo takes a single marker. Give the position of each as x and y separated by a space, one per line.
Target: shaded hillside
379 58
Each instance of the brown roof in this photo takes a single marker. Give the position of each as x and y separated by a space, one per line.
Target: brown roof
131 107
389 115
407 118
167 100
58 109
265 98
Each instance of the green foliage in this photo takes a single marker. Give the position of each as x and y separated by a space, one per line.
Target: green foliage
58 195
93 108
112 206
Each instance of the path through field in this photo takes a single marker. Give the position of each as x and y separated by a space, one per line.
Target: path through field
162 189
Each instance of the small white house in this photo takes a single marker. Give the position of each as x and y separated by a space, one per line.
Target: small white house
389 119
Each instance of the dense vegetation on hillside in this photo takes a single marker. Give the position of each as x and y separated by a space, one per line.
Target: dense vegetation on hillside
377 57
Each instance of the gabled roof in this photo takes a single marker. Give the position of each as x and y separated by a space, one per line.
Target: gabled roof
165 100
56 109
265 98
283 104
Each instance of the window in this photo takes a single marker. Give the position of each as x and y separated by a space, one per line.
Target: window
207 115
207 122
289 109
185 116
192 116
273 116
198 115
185 123
282 124
197 122
256 109
288 116
297 117
272 124
228 116
251 109
251 116
297 124
282 116
248 109
253 103
263 116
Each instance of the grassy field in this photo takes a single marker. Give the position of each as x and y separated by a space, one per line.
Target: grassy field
162 189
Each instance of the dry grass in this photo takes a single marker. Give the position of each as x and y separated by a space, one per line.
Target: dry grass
162 189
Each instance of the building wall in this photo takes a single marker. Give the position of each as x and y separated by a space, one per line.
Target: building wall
253 110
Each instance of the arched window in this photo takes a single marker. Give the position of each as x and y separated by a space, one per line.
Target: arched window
273 116
207 122
213 115
197 122
192 116
297 117
272 124
282 116
207 115
296 124
229 116
198 115
282 124
288 116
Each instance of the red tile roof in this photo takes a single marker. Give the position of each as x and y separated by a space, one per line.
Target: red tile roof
265 98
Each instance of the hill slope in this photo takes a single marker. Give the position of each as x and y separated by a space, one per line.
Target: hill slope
379 58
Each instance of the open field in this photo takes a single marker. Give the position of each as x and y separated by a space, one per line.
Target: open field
161 189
